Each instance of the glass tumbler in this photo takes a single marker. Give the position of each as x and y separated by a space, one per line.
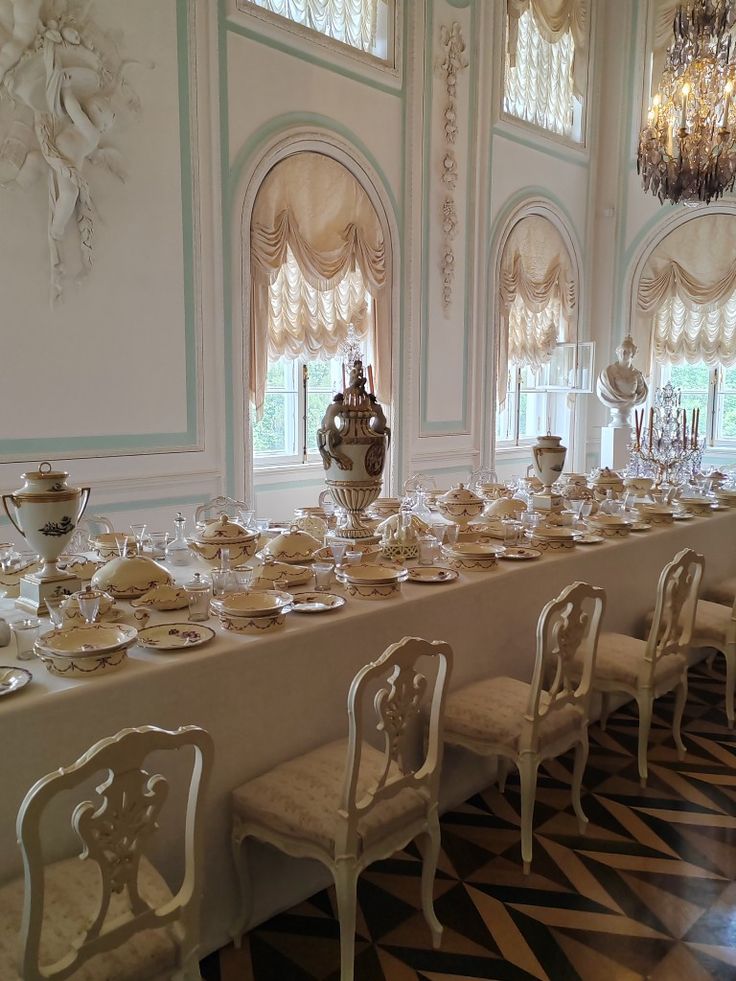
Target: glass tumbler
323 572
26 632
429 550
511 532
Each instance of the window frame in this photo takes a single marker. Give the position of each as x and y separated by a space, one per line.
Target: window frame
276 25
713 431
507 124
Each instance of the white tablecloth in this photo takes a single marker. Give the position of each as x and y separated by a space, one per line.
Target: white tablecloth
268 698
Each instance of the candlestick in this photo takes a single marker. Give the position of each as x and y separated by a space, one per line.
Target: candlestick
370 379
684 428
651 428
685 94
344 385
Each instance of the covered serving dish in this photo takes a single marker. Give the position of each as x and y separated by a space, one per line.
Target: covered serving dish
130 577
292 546
604 480
87 650
221 533
267 572
460 505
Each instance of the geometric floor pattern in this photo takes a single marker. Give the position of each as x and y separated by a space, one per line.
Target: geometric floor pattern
649 892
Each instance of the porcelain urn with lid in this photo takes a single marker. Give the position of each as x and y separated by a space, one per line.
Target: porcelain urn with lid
548 455
353 440
46 511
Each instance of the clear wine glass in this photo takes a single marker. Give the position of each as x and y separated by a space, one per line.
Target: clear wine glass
89 604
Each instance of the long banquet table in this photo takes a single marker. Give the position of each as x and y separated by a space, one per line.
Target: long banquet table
269 698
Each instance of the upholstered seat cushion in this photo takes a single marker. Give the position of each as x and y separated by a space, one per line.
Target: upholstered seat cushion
301 797
723 591
493 711
620 659
71 903
712 623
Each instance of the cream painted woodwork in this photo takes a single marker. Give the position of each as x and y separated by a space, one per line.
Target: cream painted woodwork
99 917
715 627
383 799
528 723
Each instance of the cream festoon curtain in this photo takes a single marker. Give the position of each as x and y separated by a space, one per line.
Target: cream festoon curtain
554 19
312 211
686 300
539 86
538 295
351 21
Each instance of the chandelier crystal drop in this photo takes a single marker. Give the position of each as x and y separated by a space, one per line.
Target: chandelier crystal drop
687 149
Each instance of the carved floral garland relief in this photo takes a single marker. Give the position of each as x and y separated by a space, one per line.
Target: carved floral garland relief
62 82
453 62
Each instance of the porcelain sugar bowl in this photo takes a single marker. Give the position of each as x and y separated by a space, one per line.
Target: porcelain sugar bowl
460 505
223 533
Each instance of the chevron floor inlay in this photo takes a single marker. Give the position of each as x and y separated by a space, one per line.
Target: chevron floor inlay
647 893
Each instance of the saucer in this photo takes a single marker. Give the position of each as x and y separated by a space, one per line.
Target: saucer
174 636
317 602
13 679
520 553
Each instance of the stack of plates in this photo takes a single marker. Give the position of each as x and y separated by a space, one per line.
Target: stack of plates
553 538
86 651
252 612
658 514
610 525
372 582
471 556
701 506
726 496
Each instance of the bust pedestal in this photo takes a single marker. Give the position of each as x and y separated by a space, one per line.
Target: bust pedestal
615 441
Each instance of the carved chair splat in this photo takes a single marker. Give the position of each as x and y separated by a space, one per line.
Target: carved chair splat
349 804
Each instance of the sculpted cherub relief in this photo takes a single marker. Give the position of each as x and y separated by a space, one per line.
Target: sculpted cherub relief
61 78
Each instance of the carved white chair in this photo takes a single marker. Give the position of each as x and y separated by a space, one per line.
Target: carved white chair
647 669
211 510
107 913
348 804
88 527
525 724
715 626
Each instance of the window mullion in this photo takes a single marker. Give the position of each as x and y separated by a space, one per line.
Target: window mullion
517 407
712 432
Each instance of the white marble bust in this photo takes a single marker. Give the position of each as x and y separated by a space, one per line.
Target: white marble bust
621 386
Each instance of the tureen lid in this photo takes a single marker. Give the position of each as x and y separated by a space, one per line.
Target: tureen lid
45 472
292 544
607 476
461 495
223 530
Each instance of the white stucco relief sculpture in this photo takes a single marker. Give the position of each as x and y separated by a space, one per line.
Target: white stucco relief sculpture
621 386
453 62
62 81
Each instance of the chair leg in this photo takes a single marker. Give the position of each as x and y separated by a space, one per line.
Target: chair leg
644 700
730 655
429 846
605 709
345 873
503 772
528 764
245 897
581 759
680 699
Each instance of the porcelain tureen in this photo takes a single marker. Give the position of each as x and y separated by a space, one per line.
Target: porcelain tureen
224 533
460 505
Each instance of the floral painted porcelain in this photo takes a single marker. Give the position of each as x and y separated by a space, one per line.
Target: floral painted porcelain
292 546
460 505
108 543
175 636
85 651
257 602
163 597
269 570
224 533
130 577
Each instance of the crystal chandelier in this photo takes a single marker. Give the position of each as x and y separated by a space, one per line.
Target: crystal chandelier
687 150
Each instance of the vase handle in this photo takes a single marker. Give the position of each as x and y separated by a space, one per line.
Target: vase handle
86 491
11 498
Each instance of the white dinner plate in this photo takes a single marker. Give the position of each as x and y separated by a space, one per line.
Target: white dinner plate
13 679
317 602
683 515
431 574
641 526
589 539
175 636
520 553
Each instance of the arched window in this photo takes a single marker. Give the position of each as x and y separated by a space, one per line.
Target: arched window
686 312
319 289
547 64
538 311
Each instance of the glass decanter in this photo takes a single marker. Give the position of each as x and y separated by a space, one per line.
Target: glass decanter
177 551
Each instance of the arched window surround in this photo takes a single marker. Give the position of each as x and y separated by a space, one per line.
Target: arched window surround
540 206
280 146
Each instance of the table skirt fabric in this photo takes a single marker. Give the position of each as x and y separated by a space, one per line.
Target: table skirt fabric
268 699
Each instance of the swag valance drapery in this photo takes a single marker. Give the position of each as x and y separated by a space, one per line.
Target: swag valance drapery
554 18
312 211
350 21
686 300
538 295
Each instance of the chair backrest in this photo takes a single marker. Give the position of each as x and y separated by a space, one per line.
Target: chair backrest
397 703
567 633
675 609
211 510
88 527
113 831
